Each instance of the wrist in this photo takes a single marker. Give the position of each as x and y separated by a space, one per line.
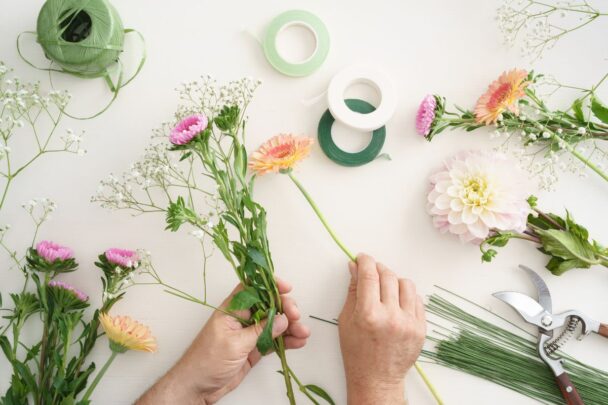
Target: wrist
376 392
174 387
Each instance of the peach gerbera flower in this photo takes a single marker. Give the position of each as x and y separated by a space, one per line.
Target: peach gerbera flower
125 334
501 95
280 152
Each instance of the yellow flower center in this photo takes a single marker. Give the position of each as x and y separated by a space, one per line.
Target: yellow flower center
475 192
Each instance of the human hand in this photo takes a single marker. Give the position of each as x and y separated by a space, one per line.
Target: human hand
223 353
382 328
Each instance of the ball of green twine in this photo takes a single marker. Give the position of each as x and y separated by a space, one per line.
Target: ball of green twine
84 37
344 158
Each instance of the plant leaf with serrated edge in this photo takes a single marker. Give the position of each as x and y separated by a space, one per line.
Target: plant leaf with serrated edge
320 392
567 246
244 299
599 109
264 343
558 266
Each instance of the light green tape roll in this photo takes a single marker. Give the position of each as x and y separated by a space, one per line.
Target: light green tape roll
308 20
82 36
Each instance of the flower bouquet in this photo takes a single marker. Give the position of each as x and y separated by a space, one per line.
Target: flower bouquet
513 108
207 137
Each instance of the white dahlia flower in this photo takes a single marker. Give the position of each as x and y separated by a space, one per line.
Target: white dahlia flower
475 192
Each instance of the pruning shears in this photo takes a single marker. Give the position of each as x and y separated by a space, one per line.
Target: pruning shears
540 313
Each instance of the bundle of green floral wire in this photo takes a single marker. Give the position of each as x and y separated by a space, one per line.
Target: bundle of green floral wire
468 343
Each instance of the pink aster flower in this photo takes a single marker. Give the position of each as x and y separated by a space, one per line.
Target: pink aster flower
475 192
188 128
426 115
65 286
51 251
122 257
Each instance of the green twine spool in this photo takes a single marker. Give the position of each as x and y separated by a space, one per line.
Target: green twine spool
84 37
340 156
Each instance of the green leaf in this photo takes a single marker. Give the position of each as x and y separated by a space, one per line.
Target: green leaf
26 375
599 109
244 299
185 156
532 201
566 245
488 255
264 343
558 266
577 108
178 214
228 118
320 392
257 257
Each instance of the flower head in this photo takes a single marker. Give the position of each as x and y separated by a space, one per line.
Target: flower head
52 252
475 192
426 115
60 285
502 95
125 334
188 128
281 152
122 257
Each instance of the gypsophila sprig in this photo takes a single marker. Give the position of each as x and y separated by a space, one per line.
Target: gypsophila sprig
545 140
27 111
195 174
539 25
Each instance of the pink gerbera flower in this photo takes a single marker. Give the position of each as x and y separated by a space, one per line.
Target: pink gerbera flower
122 257
51 251
426 115
65 286
188 128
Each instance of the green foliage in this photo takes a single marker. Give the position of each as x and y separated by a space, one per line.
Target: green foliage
178 214
265 341
577 109
315 389
228 119
599 109
244 299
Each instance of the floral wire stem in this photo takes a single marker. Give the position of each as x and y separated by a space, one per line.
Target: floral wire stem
353 258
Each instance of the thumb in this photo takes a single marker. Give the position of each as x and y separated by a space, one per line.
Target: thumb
351 295
251 333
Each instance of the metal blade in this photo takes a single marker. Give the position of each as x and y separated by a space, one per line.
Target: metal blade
544 296
527 307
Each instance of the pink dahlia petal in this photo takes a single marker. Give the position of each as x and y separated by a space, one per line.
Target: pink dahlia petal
188 128
51 251
122 257
426 115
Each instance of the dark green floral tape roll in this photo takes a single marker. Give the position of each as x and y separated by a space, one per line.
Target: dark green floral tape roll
84 37
341 157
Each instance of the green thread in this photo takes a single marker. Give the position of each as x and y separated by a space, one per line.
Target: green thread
340 156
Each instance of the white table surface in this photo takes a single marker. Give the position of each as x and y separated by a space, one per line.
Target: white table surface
448 47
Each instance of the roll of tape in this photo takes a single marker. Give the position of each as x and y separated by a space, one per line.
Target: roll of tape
357 120
340 156
288 19
82 36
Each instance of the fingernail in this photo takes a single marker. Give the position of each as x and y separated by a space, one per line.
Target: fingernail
279 325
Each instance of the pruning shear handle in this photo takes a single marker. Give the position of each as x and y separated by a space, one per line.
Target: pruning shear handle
569 393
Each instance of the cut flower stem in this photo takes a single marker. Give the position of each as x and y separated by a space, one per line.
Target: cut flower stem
353 258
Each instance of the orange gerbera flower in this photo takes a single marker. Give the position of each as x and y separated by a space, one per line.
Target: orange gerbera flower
280 152
125 334
501 95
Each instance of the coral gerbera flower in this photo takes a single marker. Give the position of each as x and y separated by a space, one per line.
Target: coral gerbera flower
127 334
501 95
280 152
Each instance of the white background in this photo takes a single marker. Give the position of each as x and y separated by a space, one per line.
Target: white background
448 47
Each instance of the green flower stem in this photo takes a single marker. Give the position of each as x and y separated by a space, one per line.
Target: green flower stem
353 258
321 217
580 157
99 376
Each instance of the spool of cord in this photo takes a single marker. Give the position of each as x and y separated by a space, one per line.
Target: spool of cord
340 156
84 37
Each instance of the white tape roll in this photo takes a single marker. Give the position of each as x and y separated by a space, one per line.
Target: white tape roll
366 75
